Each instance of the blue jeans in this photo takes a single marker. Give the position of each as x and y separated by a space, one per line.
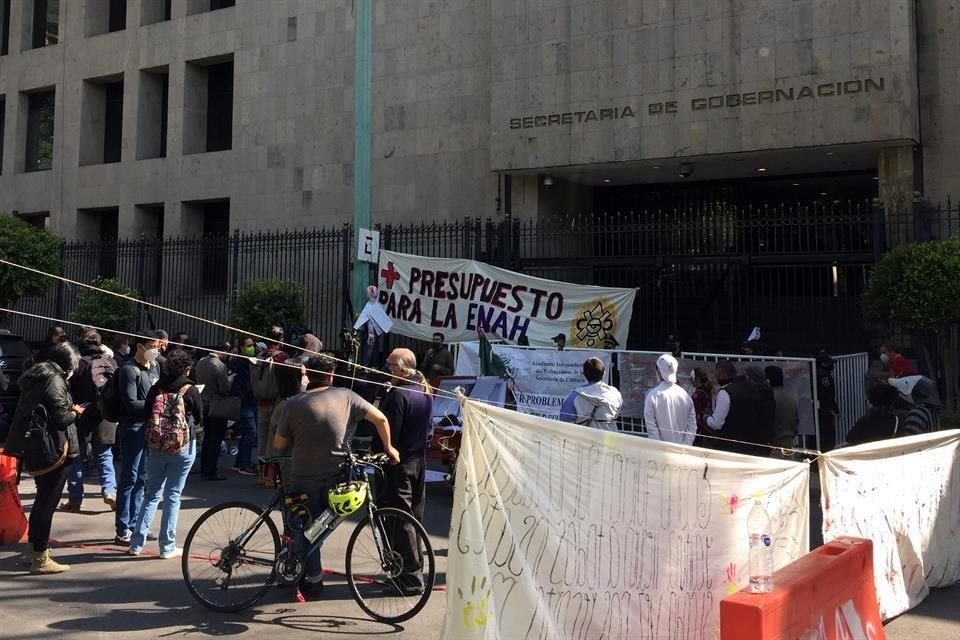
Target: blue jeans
246 426
313 568
103 454
133 475
166 475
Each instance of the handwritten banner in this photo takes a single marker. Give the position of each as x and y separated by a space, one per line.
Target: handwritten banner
457 297
903 494
563 532
542 378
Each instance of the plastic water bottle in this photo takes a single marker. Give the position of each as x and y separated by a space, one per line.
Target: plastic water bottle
761 549
326 519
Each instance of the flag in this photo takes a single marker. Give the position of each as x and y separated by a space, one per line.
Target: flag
490 363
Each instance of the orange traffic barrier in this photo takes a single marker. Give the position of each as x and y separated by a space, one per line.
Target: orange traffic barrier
828 594
13 524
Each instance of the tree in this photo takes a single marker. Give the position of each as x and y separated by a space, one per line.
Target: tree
99 309
260 304
29 246
917 287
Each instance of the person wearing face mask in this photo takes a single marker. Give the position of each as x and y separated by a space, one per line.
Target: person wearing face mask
246 426
135 379
896 363
121 350
45 384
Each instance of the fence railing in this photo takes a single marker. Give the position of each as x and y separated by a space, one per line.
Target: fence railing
787 256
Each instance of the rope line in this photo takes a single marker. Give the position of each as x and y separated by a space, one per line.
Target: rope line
219 352
268 340
161 307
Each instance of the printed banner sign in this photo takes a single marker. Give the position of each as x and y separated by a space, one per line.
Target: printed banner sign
457 297
903 494
565 532
638 375
542 378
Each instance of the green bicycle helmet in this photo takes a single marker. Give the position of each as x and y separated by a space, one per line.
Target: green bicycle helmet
347 497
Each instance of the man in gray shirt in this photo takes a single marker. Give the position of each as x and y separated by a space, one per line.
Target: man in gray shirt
319 423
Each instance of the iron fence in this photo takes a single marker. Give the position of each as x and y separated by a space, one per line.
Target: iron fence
708 272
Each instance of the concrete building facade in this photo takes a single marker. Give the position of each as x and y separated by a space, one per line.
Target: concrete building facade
180 117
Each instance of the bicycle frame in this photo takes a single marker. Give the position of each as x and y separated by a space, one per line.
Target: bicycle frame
371 508
352 466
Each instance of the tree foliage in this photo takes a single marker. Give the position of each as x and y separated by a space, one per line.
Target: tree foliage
99 309
29 246
260 304
917 286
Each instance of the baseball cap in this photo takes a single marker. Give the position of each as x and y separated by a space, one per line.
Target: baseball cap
667 365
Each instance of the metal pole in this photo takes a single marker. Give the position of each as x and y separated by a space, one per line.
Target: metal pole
362 116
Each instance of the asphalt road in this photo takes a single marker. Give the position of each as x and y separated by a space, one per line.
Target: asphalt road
108 592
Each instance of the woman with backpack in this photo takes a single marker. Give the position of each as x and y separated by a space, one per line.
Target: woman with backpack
45 438
174 408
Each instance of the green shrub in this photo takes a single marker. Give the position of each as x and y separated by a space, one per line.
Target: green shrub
260 304
100 309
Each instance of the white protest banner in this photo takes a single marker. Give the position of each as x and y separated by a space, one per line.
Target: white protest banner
542 378
904 494
565 532
456 297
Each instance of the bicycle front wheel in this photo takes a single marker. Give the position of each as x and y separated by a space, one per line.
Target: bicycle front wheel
390 565
229 556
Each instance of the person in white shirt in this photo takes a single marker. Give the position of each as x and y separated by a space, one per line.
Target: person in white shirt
594 404
668 411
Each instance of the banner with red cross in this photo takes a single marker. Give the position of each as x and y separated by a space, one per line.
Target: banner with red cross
458 297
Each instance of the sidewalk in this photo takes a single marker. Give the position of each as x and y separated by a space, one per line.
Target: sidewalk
109 592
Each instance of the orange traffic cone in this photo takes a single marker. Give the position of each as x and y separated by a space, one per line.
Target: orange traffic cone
13 523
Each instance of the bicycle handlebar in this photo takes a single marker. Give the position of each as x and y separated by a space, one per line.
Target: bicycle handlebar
362 458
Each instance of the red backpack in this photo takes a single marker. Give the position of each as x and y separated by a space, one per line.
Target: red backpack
168 428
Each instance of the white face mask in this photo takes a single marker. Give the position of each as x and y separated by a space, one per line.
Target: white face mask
124 350
151 355
884 358
304 383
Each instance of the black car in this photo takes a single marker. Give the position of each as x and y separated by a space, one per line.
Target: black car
13 352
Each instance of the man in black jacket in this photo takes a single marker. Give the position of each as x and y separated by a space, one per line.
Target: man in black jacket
135 379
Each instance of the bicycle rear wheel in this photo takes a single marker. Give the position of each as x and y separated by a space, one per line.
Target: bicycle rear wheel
390 565
229 557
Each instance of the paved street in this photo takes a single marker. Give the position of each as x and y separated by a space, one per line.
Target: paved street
108 592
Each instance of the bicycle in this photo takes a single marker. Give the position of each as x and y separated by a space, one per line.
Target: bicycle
234 552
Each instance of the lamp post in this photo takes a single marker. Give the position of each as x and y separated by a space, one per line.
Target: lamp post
362 116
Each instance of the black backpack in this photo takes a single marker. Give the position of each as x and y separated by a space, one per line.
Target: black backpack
39 449
94 377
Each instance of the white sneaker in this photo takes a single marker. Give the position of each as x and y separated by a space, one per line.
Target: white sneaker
176 553
134 552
